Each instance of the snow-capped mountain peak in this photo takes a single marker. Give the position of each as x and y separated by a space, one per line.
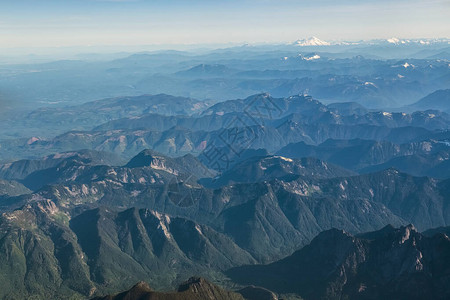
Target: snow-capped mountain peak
394 40
312 41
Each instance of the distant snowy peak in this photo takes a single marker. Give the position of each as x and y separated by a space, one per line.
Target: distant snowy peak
397 41
394 41
312 41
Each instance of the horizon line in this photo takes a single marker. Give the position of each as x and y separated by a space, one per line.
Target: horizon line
333 42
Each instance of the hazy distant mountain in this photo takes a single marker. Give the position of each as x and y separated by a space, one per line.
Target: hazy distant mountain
435 165
438 100
348 108
264 122
265 106
178 141
147 166
50 121
162 123
206 70
276 167
20 169
78 81
417 158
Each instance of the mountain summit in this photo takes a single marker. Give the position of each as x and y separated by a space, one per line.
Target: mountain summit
312 41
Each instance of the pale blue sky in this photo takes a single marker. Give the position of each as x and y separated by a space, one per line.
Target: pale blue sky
50 23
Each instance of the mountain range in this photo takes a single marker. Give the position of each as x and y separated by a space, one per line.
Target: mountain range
313 170
277 123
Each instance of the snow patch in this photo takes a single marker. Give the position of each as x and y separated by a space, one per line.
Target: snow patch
32 140
368 83
314 57
135 193
162 224
427 146
199 230
284 158
407 65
